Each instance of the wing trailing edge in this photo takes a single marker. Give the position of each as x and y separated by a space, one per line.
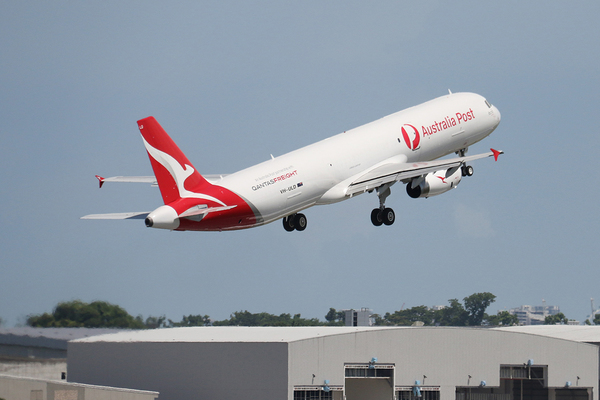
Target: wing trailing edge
394 172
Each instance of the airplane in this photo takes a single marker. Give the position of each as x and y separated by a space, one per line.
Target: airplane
402 147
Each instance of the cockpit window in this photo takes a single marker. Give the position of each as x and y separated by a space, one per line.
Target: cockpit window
488 104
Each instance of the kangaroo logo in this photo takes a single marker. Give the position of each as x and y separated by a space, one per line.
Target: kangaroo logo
409 131
179 173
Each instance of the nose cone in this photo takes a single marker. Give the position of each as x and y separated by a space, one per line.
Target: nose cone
496 114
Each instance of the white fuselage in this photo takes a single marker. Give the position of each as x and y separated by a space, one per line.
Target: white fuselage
311 175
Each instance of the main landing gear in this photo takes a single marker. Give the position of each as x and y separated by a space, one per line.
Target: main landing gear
466 170
383 215
294 222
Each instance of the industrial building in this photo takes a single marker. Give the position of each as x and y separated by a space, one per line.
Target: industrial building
362 317
351 363
39 352
19 388
534 315
43 343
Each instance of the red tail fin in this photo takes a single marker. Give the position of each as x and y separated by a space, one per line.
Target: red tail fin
175 174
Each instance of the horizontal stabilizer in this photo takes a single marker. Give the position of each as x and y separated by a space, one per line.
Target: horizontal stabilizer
128 179
128 215
150 179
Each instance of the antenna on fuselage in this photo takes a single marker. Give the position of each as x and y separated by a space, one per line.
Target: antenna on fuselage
449 91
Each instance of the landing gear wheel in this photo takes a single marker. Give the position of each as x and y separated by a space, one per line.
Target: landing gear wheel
300 222
376 217
388 216
288 223
469 170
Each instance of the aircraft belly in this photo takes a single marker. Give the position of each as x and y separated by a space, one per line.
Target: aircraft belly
281 202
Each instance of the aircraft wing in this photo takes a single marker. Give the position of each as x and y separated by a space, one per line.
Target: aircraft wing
127 215
149 179
394 172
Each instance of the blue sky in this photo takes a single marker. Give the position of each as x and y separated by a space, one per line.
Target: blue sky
232 83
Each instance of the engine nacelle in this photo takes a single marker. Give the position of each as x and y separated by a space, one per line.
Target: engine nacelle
164 217
434 183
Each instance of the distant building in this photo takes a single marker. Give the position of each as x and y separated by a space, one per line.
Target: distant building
36 343
39 353
533 315
13 387
362 317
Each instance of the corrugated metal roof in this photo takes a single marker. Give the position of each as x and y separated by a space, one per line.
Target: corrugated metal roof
229 334
54 338
576 333
583 334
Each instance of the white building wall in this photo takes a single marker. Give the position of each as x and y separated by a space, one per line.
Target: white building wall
184 370
447 356
40 369
19 388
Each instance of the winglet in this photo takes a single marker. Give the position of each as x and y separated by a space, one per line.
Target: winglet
496 153
100 180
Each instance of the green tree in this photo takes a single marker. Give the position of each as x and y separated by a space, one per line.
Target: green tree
454 315
379 320
475 305
502 318
596 319
409 316
192 320
98 314
246 318
155 322
335 318
556 319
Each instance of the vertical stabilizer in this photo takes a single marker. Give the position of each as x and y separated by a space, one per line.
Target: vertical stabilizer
176 176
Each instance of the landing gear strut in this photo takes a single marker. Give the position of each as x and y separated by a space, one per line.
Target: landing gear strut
294 222
383 215
466 170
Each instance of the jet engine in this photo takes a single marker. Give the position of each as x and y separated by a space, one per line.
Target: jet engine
434 183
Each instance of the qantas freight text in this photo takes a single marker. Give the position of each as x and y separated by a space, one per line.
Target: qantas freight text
274 180
370 158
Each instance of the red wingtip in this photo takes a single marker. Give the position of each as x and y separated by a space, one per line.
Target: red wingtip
496 153
100 180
